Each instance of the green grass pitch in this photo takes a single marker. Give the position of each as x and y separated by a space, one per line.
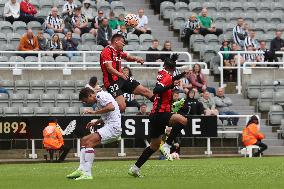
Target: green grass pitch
239 173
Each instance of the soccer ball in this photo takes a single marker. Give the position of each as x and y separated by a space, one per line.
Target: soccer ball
131 20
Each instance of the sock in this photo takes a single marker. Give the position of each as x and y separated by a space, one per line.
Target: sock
174 133
89 159
152 98
82 158
144 156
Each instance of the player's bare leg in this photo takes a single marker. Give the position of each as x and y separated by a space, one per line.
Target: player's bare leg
87 155
154 146
177 122
143 91
121 103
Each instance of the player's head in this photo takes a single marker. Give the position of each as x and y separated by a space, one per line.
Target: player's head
117 41
87 96
170 63
93 81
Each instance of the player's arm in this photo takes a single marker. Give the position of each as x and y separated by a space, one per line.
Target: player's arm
95 123
108 108
113 71
179 76
130 58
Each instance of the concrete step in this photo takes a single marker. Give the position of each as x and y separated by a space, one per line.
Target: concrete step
274 150
273 142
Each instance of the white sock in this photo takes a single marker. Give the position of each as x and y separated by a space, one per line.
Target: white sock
89 159
82 159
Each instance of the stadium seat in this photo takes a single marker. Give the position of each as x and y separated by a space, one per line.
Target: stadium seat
97 47
46 60
41 111
267 85
20 27
275 6
47 100
92 59
84 47
236 7
82 109
195 7
31 59
250 7
181 7
57 111
77 59
4 59
197 38
34 25
219 17
79 84
131 110
265 101
105 6
43 13
35 3
45 4
117 6
6 27
167 8
146 39
223 6
278 98
11 111
62 59
52 86
8 84
75 100
4 100
264 7
67 86
26 111
132 39
72 111
22 86
33 100
3 39
63 100
17 100
275 18
88 39
59 4
16 59
253 88
37 86
275 114
1 112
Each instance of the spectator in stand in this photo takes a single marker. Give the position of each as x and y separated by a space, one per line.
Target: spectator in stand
250 57
143 110
129 98
251 41
12 11
175 95
42 41
104 33
252 136
240 33
153 57
98 19
69 44
226 57
192 26
191 105
142 27
55 44
93 84
80 23
123 32
167 47
112 21
121 20
28 42
206 24
277 44
268 55
88 11
208 104
186 83
4 90
67 12
198 80
28 12
223 104
53 140
54 23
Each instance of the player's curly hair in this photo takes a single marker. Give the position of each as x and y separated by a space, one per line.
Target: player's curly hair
171 62
85 93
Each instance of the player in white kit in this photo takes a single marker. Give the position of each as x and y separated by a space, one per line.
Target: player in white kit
110 132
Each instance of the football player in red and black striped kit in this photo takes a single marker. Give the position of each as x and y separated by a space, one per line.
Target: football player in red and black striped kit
114 80
161 116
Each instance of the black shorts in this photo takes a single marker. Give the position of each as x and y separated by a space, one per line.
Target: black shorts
158 123
122 86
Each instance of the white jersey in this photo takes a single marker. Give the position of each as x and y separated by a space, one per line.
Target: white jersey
104 98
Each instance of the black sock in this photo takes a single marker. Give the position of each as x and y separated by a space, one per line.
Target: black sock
152 98
174 133
144 156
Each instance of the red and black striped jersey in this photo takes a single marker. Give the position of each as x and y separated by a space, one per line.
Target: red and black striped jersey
109 54
163 101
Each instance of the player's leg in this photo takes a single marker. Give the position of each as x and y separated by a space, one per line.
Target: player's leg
121 103
147 153
177 122
89 142
115 89
141 90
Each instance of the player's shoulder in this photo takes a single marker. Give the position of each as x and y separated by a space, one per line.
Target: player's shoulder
106 50
103 94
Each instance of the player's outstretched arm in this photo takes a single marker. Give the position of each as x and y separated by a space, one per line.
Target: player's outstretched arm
130 58
113 71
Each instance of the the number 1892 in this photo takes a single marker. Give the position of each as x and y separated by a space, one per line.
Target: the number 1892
14 127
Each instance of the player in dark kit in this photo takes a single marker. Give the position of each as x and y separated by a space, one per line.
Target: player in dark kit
161 116
114 80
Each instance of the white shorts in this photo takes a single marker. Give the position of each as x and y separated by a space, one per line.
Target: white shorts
110 132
